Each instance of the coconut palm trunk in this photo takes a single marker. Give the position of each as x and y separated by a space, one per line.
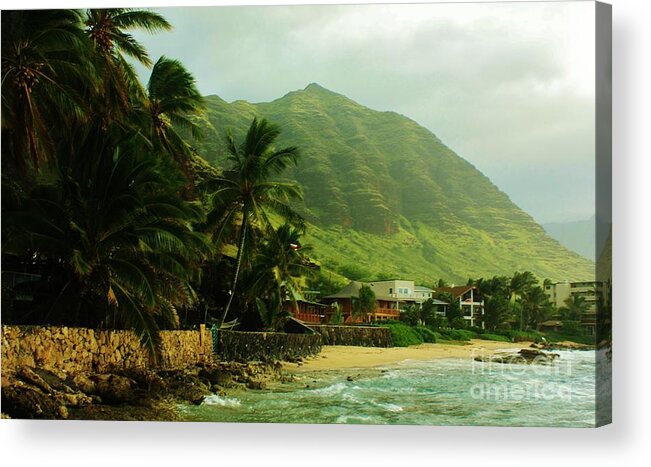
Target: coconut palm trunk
238 267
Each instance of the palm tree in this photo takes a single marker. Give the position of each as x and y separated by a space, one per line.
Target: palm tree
249 192
116 236
174 103
575 307
44 67
107 31
275 277
497 296
521 283
536 306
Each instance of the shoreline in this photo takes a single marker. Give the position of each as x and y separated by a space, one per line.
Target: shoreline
335 357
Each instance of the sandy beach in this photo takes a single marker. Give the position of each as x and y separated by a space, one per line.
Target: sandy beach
336 357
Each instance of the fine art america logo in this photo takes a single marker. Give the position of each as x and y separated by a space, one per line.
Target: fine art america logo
516 378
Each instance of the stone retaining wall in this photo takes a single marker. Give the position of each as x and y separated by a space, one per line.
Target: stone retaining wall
364 336
266 346
91 350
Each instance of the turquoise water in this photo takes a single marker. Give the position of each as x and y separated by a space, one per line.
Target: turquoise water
438 392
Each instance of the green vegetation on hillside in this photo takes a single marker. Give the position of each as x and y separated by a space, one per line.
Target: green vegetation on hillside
385 197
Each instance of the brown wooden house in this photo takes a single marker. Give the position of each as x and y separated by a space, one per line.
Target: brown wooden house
386 307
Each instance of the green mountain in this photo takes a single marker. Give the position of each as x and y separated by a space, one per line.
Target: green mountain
386 198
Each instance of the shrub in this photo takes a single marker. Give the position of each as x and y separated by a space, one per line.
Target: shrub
519 336
427 334
458 323
410 315
458 335
403 335
572 328
495 337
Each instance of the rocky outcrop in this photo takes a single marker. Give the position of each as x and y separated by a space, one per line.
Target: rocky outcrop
524 356
567 345
135 394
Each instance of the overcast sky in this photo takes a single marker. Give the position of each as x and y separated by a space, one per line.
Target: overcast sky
507 86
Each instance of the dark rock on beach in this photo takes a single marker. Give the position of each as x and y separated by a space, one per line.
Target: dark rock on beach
526 356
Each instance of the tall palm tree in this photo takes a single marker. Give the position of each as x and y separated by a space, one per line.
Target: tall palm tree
278 268
107 30
536 306
174 103
44 67
521 283
248 191
116 236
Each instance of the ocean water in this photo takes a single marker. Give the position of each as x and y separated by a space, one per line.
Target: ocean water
437 392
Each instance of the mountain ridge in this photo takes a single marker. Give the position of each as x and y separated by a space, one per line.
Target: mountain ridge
392 197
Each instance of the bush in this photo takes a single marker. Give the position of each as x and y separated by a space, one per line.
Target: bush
403 335
572 328
458 335
427 334
458 323
495 337
519 336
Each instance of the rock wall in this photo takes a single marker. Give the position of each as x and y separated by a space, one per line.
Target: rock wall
364 336
77 350
266 346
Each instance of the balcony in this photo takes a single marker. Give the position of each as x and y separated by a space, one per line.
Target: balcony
308 317
387 312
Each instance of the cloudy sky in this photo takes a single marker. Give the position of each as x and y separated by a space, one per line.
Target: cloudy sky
508 86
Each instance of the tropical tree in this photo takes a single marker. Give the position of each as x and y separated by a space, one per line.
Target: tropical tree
497 306
116 239
275 277
249 191
453 310
107 30
364 304
575 307
536 307
428 313
410 314
173 103
521 283
44 67
337 316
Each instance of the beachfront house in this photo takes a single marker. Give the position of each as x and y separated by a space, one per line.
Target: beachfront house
387 306
391 296
470 302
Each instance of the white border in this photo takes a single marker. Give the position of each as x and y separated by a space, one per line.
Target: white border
624 442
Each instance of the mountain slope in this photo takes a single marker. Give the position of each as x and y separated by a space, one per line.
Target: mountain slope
386 197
